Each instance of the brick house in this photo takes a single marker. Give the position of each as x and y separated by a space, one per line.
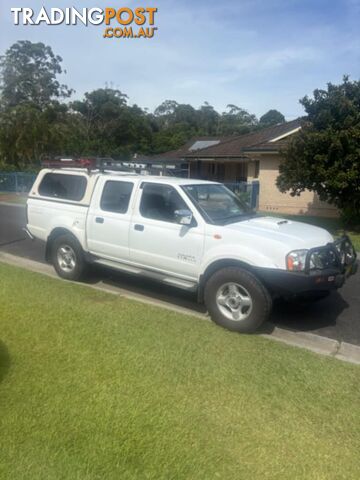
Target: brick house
245 158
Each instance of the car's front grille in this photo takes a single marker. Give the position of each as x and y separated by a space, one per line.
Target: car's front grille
322 259
337 255
346 250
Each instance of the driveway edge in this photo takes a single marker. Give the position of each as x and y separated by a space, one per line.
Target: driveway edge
310 341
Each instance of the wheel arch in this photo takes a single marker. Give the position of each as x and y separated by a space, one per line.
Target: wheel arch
55 233
218 265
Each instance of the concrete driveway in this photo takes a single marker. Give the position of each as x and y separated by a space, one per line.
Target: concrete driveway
337 316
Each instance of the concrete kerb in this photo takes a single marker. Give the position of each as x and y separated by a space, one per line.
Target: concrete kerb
315 343
348 353
310 341
9 204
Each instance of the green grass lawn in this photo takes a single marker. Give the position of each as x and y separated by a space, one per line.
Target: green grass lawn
333 225
93 386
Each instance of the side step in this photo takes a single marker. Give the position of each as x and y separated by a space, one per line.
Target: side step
159 277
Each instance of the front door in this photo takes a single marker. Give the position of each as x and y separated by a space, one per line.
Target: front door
157 241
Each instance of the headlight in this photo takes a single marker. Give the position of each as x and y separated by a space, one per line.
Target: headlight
295 260
318 260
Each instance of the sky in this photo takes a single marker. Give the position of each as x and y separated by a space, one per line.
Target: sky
256 54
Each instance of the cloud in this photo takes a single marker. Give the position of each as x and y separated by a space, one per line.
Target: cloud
275 60
259 54
187 83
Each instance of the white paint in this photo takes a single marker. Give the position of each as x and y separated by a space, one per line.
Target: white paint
163 246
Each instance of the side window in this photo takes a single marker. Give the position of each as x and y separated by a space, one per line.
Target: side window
160 202
61 185
116 196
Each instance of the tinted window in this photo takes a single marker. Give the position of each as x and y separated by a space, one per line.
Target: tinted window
160 202
116 196
60 185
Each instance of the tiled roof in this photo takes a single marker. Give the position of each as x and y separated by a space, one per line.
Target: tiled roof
187 148
235 146
262 140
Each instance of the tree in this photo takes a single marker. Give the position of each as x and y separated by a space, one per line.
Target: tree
113 127
171 139
174 124
236 121
100 109
28 74
170 113
208 119
27 133
35 120
272 117
31 117
167 108
325 156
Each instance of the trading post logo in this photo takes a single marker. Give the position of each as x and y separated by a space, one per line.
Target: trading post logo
121 22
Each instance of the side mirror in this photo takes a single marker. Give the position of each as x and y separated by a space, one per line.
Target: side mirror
184 217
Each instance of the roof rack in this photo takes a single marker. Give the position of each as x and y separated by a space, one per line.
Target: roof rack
100 164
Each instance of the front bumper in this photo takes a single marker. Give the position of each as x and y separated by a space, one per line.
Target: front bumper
341 263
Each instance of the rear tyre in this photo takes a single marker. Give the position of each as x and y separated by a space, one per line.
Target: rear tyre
68 258
237 300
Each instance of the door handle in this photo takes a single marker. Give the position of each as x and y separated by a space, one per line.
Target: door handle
139 228
99 220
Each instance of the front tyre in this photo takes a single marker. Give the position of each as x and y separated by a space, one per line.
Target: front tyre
68 258
237 300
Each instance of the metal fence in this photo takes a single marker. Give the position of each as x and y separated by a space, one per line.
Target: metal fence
249 192
16 182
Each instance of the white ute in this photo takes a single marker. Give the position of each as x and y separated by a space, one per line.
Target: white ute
191 234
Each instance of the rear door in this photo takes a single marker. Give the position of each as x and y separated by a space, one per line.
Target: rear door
109 217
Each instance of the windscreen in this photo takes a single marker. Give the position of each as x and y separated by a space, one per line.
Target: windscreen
216 203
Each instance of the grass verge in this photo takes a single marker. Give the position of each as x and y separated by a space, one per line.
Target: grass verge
94 386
